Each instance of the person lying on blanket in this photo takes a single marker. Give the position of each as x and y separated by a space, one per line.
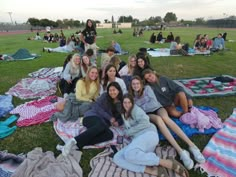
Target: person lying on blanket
104 112
168 93
139 156
146 99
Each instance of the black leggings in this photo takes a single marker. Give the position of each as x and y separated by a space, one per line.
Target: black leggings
97 132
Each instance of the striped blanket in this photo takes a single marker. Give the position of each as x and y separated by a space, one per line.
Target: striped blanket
220 152
102 165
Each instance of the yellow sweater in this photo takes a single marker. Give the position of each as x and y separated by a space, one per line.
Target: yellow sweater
81 94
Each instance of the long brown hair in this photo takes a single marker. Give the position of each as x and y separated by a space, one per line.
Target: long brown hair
140 92
106 79
83 65
123 111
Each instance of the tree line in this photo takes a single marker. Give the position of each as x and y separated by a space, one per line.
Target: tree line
151 21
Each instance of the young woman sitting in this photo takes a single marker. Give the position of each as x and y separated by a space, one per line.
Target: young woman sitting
111 75
168 93
70 75
139 156
105 112
146 99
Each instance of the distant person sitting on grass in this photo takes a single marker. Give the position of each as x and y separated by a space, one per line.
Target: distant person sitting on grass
176 48
218 43
201 45
170 37
116 46
37 37
69 47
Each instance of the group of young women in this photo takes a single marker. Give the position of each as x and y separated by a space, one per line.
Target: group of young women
113 104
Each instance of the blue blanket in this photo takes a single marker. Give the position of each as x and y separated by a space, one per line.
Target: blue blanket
187 129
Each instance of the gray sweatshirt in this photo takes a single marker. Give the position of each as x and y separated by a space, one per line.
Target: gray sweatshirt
138 123
165 90
148 101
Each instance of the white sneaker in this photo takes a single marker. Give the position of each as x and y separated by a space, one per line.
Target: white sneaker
65 95
66 149
185 157
197 154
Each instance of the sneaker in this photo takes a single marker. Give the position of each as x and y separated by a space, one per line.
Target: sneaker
197 154
66 149
185 157
65 95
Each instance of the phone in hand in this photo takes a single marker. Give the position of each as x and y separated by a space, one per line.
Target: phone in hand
119 139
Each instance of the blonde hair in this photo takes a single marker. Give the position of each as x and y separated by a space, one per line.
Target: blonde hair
74 68
130 68
88 81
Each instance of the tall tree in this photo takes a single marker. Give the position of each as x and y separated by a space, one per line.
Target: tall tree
33 21
170 16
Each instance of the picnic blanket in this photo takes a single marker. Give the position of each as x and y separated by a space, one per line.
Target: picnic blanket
45 164
53 73
21 54
5 104
220 152
206 86
70 129
9 163
36 111
159 52
30 88
103 166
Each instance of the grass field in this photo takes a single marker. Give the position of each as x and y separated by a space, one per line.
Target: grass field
27 138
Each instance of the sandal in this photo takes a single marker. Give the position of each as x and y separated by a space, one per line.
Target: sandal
178 167
162 172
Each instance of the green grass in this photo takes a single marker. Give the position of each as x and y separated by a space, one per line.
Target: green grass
27 138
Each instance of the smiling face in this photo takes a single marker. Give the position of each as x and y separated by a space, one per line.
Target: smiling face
85 60
77 60
136 85
111 73
127 104
141 63
150 77
93 74
132 62
113 92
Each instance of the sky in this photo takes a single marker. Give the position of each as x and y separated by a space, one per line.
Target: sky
20 10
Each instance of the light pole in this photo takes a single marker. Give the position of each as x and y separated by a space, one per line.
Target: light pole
10 13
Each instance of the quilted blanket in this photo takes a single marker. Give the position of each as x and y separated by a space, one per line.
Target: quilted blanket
206 86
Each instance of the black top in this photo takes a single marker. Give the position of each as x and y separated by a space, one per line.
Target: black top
89 35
